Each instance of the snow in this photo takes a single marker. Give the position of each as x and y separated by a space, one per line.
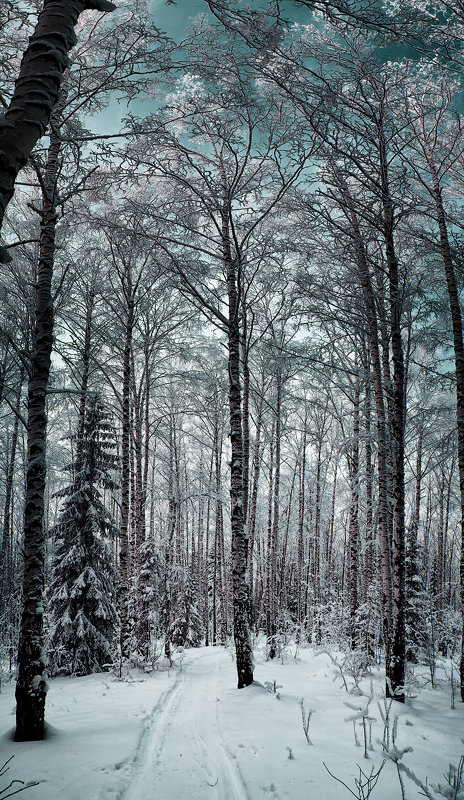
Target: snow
187 733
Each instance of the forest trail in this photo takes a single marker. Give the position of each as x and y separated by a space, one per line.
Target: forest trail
189 734
183 753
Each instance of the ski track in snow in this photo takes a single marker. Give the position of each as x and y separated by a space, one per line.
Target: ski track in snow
182 753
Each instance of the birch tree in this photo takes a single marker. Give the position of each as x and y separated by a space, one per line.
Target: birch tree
435 155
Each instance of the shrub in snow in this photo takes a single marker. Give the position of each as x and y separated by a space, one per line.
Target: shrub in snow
283 639
451 671
364 784
306 719
363 718
353 665
436 635
453 789
273 688
15 786
83 618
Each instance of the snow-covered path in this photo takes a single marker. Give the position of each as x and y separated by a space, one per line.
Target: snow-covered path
183 753
187 733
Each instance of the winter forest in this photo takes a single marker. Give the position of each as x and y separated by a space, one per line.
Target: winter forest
232 396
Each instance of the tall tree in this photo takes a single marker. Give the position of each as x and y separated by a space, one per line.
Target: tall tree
434 153
227 161
84 622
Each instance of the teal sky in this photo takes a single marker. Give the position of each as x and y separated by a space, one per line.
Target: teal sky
174 18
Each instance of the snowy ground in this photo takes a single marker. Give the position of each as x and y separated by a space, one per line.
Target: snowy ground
189 734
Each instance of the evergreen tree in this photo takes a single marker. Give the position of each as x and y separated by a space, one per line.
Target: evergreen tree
148 601
84 620
187 627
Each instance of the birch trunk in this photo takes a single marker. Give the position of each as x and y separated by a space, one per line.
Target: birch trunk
256 464
274 529
31 685
369 537
243 648
124 565
316 576
354 539
397 669
300 539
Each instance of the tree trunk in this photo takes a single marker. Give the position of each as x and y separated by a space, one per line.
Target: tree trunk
369 535
124 555
330 537
414 586
354 539
256 464
6 554
144 578
274 530
316 576
219 581
397 670
245 415
243 648
31 685
456 320
300 532
270 552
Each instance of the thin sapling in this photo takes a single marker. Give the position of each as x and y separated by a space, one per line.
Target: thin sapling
306 718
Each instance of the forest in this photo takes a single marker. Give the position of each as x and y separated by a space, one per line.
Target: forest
231 345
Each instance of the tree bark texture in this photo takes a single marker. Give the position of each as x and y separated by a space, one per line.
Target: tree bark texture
243 648
141 404
274 508
256 464
31 684
396 670
245 414
124 565
300 533
354 538
316 559
369 536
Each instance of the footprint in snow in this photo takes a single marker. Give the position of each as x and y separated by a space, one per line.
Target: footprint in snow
270 792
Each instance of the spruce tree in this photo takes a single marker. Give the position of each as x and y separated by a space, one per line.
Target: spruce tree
83 616
187 628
